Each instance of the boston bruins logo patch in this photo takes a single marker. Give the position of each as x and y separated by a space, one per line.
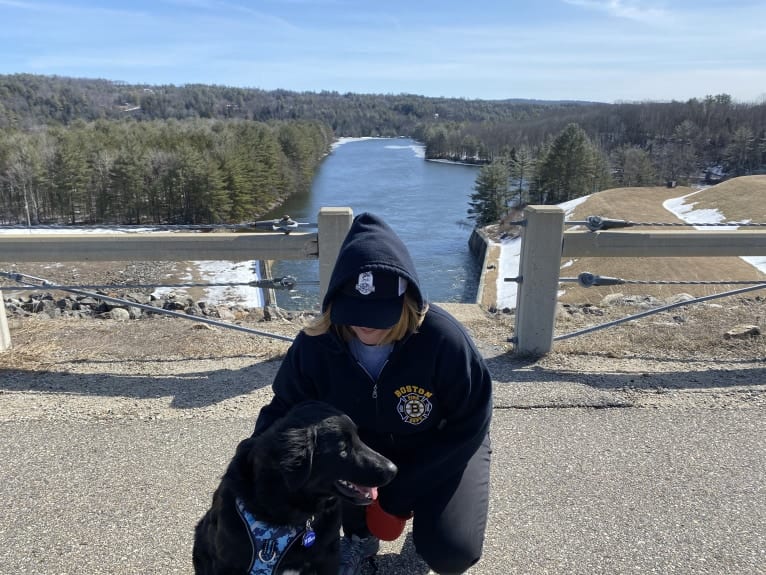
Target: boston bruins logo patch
414 407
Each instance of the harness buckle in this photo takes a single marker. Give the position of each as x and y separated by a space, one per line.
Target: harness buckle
268 553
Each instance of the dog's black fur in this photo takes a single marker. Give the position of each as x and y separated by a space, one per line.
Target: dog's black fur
300 468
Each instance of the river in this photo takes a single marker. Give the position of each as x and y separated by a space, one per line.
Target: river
425 202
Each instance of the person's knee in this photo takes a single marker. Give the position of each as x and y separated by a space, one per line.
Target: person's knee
447 558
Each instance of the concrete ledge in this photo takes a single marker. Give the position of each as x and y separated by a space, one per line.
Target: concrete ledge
488 252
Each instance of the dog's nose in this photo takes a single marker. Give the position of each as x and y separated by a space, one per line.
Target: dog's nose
390 471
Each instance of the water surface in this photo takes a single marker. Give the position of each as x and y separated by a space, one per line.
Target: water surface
424 202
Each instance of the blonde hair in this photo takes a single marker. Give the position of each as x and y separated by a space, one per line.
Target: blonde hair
409 322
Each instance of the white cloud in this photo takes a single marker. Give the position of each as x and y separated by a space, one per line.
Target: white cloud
628 10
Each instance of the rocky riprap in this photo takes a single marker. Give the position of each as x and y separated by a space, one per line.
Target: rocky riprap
74 306
60 304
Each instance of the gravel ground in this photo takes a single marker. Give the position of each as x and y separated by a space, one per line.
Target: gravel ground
203 367
677 356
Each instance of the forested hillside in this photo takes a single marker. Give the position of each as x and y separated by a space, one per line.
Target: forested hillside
80 150
159 171
28 100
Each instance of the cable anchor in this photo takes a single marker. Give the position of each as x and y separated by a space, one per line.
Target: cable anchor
285 282
596 223
587 279
285 224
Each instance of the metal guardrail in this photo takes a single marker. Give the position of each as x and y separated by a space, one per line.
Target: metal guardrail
284 244
544 242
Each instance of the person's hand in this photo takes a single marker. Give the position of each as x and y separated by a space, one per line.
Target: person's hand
384 525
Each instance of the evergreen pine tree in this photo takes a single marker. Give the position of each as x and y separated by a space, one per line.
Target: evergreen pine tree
489 201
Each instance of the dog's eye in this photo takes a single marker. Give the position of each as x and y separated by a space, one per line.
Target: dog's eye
343 453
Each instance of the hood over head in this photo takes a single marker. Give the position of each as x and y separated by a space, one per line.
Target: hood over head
372 273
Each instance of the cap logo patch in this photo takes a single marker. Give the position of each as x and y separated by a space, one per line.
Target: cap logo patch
364 284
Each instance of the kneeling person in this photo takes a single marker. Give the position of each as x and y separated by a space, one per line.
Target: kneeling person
412 380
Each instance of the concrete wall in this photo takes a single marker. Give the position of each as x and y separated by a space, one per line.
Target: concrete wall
487 253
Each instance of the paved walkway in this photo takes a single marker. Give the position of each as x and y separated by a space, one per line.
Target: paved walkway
586 486
107 462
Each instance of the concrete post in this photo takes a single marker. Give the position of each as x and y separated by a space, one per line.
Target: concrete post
5 333
539 268
332 226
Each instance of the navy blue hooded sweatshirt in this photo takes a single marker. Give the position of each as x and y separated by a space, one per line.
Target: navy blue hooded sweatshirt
431 405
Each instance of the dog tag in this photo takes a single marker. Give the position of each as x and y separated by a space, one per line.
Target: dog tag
309 536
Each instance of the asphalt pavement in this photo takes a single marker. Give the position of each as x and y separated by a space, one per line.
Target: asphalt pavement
587 484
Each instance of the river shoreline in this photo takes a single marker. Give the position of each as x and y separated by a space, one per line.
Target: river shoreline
450 267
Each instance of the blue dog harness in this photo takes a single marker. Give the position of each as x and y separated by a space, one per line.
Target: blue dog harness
271 542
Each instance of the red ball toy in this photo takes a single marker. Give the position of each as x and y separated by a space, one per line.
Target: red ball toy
384 525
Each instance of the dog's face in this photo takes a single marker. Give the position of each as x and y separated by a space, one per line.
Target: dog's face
326 457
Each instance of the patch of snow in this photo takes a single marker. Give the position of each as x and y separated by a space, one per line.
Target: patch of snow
684 210
72 230
508 267
440 161
346 140
224 272
418 149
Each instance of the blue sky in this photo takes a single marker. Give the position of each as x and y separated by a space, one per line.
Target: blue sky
602 50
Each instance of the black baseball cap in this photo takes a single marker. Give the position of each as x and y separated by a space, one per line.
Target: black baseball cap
372 299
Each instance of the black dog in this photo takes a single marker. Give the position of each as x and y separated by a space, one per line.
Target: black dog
277 508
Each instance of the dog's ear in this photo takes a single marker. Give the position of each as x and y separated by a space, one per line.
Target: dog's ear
296 466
